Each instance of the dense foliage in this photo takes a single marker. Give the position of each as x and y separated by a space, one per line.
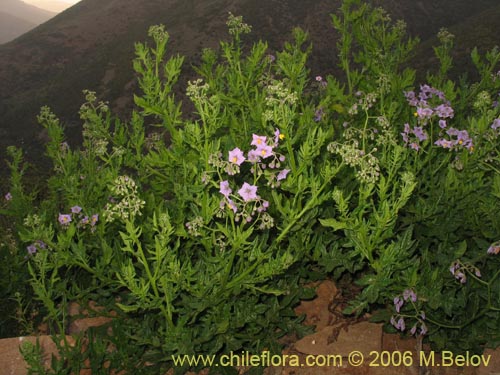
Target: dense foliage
200 231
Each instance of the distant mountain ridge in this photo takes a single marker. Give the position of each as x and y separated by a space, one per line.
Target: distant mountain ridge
56 6
12 26
18 17
91 45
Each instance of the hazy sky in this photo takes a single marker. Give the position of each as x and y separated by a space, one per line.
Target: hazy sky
52 5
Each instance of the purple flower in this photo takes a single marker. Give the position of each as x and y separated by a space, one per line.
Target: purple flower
64 219
76 209
318 115
253 156
413 329
494 249
8 196
409 294
282 175
248 192
496 124
319 78
258 140
265 151
444 111
420 133
232 205
442 124
236 156
415 146
278 136
31 249
84 221
406 132
423 329
94 219
401 324
398 303
424 112
461 277
410 97
225 190
443 143
41 244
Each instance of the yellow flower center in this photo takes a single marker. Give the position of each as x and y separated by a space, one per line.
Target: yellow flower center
282 136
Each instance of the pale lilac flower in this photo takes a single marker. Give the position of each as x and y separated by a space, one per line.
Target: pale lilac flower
41 244
424 112
76 209
420 133
444 111
496 124
409 294
253 156
258 140
236 156
443 143
319 78
231 205
278 136
265 151
8 196
84 221
410 97
406 133
248 192
64 219
442 124
225 189
318 115
31 249
423 329
413 329
494 248
461 277
94 219
398 303
282 175
401 324
415 146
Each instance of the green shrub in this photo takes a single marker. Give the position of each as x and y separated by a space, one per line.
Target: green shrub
201 230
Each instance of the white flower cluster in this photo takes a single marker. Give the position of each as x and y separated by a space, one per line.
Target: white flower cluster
367 165
125 204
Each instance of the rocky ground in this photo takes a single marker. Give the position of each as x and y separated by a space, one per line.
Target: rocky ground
339 345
